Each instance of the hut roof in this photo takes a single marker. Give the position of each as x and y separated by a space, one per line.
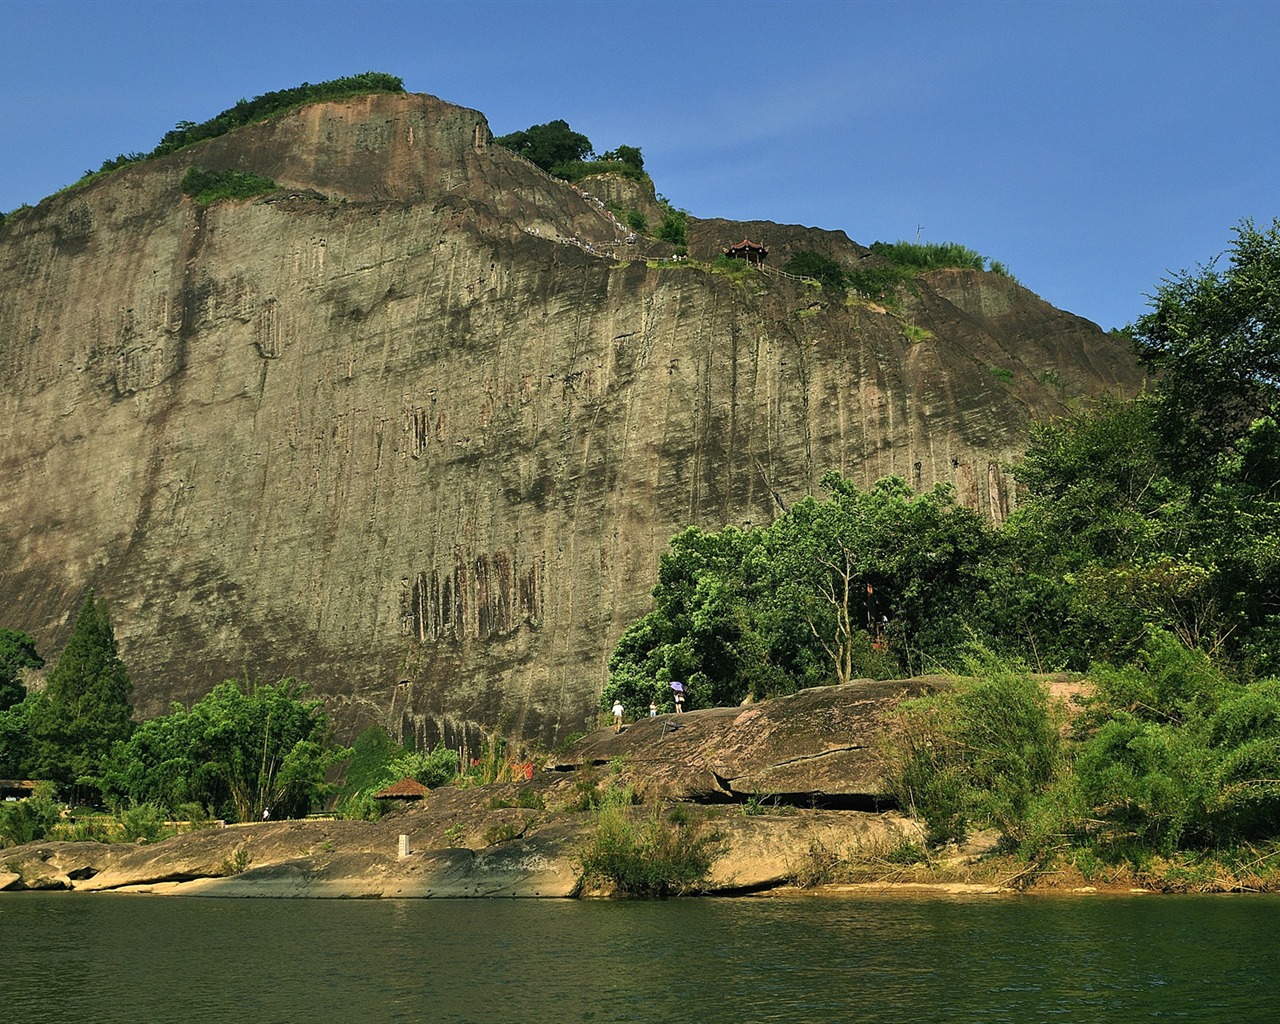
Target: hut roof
406 789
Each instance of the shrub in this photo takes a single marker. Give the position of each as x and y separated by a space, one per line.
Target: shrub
361 806
271 103
817 866
576 170
978 754
1146 786
878 283
28 821
502 833
822 269
186 133
649 856
530 798
212 186
638 222
143 823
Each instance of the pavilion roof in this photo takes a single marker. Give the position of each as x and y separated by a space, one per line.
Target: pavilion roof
406 789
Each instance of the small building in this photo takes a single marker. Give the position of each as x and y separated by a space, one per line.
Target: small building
753 252
407 791
16 789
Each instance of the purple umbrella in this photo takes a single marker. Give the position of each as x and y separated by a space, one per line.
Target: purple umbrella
678 687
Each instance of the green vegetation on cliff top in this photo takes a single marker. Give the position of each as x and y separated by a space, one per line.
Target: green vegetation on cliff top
260 108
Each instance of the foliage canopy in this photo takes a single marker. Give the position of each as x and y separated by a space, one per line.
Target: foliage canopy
243 751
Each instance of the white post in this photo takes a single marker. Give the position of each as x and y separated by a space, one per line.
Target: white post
404 846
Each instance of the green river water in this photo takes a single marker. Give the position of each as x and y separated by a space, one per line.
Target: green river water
115 958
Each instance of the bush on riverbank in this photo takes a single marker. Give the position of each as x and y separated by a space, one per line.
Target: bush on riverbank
1170 769
644 853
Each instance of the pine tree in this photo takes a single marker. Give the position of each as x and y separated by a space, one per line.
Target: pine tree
85 706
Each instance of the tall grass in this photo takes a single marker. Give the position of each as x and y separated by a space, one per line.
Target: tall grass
929 255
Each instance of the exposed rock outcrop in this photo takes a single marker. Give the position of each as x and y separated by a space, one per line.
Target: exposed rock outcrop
813 748
479 841
413 431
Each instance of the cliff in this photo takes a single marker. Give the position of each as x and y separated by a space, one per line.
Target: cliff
417 429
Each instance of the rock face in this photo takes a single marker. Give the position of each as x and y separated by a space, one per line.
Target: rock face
408 432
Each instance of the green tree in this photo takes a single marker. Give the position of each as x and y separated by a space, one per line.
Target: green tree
762 612
629 155
268 746
15 742
84 707
674 227
248 748
548 145
161 763
17 651
434 768
1213 338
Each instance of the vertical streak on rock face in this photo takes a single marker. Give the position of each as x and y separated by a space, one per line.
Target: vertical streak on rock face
409 444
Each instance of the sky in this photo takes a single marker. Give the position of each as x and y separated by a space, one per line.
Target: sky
1092 148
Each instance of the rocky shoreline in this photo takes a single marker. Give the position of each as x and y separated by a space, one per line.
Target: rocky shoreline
786 786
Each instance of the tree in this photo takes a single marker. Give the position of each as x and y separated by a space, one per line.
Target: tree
629 155
674 227
435 768
1213 338
17 651
548 145
761 612
15 742
84 707
268 746
256 748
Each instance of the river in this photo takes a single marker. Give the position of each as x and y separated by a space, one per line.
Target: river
115 958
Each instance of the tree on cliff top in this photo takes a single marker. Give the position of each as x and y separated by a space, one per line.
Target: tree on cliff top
85 707
548 145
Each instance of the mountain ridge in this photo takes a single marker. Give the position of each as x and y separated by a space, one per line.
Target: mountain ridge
397 431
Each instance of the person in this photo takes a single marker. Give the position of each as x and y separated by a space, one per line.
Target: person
653 709
617 716
679 702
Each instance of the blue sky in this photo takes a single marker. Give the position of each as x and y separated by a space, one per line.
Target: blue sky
1091 147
